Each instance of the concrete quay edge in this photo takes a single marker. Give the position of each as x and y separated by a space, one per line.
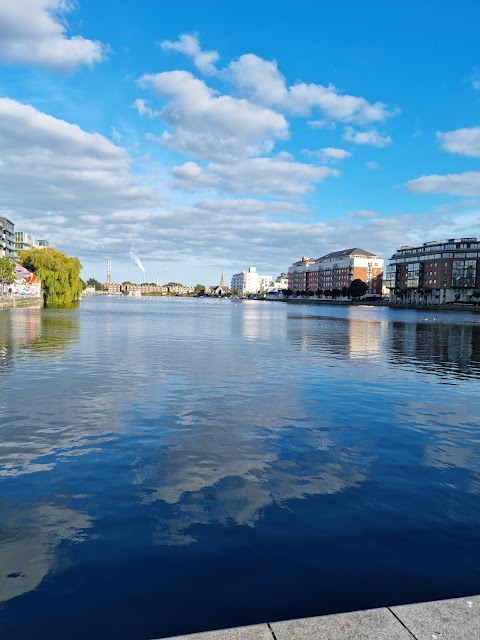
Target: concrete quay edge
9 303
454 619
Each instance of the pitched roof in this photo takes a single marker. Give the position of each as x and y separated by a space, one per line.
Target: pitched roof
346 253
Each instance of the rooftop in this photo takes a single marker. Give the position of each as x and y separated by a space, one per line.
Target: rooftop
347 253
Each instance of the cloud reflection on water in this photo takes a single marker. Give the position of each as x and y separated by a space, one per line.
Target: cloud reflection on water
29 542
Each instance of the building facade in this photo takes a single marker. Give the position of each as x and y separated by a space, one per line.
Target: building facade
435 272
337 270
219 289
145 289
250 281
7 238
24 241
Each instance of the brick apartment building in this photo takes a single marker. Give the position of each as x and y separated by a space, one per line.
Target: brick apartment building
337 270
435 272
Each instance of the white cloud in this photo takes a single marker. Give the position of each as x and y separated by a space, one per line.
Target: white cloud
261 81
371 137
302 98
464 142
116 136
143 109
328 154
321 124
33 32
54 169
212 127
190 46
255 175
457 184
372 165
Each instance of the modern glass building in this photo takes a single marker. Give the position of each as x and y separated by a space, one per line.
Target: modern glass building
435 272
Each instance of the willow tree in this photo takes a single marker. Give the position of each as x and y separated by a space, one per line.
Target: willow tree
60 274
6 271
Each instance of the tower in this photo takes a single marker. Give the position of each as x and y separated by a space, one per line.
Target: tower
109 272
222 281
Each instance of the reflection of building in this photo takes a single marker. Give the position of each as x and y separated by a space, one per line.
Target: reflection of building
337 270
364 338
7 238
435 272
352 333
434 346
250 281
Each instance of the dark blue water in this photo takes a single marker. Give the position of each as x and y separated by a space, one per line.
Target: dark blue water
175 465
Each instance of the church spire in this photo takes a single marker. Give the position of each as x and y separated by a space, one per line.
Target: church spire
222 281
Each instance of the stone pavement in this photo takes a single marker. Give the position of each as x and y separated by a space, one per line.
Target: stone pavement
457 619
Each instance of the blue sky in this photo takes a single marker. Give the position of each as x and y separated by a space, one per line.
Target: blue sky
208 139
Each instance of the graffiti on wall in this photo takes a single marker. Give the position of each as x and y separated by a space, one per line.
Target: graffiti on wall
26 284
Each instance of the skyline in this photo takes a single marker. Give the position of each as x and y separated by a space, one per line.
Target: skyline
203 142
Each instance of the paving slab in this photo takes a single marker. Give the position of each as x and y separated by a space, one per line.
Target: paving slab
457 619
254 632
372 624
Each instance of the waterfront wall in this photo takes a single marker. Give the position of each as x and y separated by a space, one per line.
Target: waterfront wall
9 302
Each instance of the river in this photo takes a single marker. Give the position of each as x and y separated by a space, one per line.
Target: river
174 465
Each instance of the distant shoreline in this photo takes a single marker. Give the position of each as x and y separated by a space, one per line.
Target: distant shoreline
364 303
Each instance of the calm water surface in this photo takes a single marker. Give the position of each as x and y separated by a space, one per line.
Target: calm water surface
174 465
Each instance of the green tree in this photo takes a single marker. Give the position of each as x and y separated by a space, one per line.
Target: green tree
174 284
7 268
91 282
59 273
199 288
357 288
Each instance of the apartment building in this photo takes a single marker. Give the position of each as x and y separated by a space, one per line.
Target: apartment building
337 270
24 241
434 272
250 281
7 238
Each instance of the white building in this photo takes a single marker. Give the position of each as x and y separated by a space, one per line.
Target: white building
25 241
250 281
279 284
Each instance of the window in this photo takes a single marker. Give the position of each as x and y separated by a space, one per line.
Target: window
464 273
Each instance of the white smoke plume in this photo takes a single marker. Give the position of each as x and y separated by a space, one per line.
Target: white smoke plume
137 261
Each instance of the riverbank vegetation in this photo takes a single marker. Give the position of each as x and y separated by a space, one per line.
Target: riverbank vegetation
6 271
59 273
